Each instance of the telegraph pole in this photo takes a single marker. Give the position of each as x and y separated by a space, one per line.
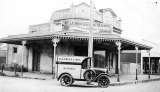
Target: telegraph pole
90 43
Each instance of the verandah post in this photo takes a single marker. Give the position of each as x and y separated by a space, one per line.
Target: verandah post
119 48
55 41
23 44
136 61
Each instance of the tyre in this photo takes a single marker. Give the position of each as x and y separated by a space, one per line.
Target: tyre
103 81
89 75
66 80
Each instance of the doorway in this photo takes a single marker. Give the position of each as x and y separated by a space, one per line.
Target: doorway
36 60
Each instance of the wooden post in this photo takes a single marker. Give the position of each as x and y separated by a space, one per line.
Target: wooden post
90 43
119 48
142 64
136 62
149 64
23 43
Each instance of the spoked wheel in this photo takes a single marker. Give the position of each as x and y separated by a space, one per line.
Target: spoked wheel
89 75
66 80
103 81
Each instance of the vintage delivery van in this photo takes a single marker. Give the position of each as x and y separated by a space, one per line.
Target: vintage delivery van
75 68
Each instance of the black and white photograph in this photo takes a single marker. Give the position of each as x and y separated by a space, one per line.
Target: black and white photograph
79 45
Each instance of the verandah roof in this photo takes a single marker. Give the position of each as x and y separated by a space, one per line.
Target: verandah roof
126 44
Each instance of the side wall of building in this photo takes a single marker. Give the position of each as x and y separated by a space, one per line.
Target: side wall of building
15 54
47 57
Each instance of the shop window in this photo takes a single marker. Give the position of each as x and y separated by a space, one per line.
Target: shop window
81 50
99 59
14 49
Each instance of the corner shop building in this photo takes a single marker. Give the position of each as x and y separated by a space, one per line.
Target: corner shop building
68 33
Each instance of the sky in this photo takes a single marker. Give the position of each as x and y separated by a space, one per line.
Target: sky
140 18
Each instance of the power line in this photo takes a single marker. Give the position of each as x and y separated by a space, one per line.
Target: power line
140 13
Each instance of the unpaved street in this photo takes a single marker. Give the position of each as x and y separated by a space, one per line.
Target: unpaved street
10 84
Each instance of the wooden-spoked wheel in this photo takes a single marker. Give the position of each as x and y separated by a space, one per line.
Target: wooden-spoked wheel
66 80
103 81
89 75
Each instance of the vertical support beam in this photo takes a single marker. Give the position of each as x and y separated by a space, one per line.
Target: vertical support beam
149 64
119 48
23 44
55 42
90 43
136 61
142 64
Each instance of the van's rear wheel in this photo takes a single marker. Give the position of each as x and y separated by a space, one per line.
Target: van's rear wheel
103 81
66 80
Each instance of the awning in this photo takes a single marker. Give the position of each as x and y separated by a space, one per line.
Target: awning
126 44
16 39
130 45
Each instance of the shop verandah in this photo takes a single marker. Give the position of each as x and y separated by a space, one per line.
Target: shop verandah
37 53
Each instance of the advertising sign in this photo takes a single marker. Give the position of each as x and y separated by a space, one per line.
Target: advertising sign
84 26
70 59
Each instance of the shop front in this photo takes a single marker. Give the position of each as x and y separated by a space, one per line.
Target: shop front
67 34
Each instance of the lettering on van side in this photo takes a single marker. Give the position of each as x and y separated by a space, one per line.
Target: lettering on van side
69 68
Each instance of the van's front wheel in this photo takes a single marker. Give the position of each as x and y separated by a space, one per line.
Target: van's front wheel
103 81
66 80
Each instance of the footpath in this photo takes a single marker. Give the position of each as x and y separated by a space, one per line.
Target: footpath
124 79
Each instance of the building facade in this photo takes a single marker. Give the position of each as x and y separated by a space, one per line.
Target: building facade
67 34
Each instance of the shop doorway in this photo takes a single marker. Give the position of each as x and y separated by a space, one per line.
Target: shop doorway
36 60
